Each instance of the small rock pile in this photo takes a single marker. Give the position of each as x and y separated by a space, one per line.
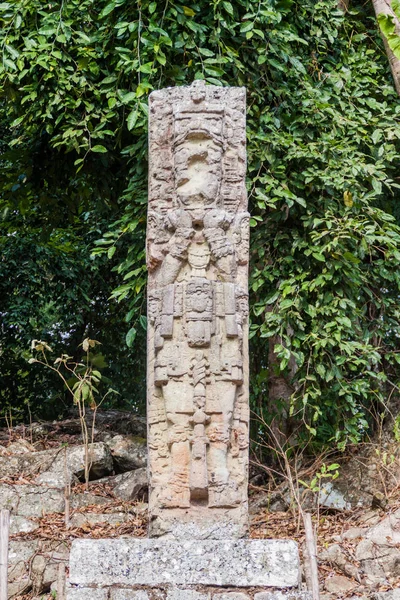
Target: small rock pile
367 558
41 477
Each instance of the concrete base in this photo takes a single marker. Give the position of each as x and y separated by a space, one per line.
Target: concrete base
166 569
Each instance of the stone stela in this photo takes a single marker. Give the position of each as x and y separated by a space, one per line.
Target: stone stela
197 375
197 258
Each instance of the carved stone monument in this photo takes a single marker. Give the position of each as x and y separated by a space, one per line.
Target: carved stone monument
197 257
197 374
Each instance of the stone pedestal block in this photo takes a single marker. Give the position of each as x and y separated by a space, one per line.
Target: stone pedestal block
156 562
167 569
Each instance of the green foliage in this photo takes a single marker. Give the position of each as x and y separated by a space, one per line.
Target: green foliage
323 150
330 472
388 27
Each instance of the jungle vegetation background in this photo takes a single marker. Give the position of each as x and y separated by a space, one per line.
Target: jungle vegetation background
323 183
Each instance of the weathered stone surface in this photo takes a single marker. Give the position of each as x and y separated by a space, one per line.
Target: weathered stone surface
88 499
31 500
236 563
128 452
354 533
131 485
34 564
231 596
335 555
20 446
87 520
129 595
70 463
378 551
389 595
87 594
119 421
28 464
197 257
176 594
288 595
21 525
49 465
339 584
364 480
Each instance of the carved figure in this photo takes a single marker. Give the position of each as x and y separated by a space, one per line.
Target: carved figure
197 253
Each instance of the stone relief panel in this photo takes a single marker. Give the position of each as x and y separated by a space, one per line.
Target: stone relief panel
197 257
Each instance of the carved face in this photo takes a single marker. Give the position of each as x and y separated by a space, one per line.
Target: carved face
199 296
197 171
153 306
242 303
199 256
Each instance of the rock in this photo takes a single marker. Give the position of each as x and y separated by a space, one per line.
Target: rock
354 533
129 595
234 563
332 497
230 596
377 552
334 555
27 464
123 422
34 564
21 446
287 595
86 594
387 531
21 525
389 595
31 500
130 486
16 589
87 520
176 594
370 518
8 497
363 480
53 462
88 499
339 584
39 430
70 463
128 452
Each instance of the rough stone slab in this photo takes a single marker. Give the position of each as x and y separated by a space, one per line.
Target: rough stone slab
289 595
87 594
231 596
176 594
129 595
152 562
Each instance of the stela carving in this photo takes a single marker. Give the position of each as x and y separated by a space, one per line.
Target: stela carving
197 258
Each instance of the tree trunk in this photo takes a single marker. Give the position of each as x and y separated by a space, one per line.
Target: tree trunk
280 391
343 4
384 7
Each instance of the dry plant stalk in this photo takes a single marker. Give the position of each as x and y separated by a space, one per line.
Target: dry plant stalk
311 547
67 492
61 582
4 535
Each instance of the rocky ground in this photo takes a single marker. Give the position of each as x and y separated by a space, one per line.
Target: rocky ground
357 516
